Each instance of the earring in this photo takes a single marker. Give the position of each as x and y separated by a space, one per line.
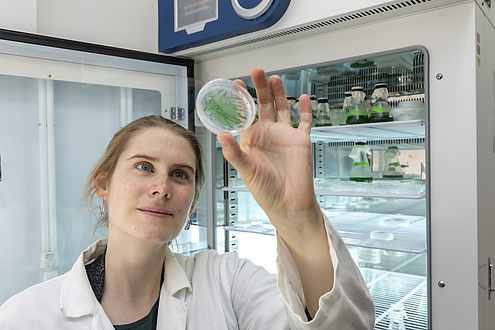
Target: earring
102 208
188 224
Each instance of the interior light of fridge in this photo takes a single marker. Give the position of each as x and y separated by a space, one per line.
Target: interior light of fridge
49 252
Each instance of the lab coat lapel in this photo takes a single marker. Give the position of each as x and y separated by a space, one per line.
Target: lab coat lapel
172 308
77 298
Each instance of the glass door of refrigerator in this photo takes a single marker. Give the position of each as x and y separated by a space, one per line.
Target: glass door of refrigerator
60 105
383 222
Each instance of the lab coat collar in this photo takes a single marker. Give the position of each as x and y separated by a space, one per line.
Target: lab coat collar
172 308
175 277
77 298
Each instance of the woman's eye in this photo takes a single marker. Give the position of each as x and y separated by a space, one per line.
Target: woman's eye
144 167
180 175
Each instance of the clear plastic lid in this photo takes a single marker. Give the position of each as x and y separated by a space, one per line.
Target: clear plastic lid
225 106
408 107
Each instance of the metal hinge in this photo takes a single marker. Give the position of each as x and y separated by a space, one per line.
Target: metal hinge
490 267
177 113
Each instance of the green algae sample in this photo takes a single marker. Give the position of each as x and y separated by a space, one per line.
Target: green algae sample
225 109
222 105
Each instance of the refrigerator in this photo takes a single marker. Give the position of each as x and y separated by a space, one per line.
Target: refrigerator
424 243
61 102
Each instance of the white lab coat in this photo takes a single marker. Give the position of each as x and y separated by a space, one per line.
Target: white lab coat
207 291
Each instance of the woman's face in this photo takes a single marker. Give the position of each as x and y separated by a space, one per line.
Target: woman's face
151 191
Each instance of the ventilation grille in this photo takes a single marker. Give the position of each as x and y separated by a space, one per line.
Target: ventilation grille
402 83
315 26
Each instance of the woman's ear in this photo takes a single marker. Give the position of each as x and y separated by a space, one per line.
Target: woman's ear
192 208
100 185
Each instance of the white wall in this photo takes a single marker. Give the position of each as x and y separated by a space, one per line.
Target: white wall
121 23
18 15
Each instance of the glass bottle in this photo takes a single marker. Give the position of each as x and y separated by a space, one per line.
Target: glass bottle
335 115
392 164
323 114
358 113
381 110
314 107
360 171
345 108
296 114
366 104
294 111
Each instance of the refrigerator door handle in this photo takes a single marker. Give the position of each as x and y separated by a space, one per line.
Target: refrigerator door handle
490 267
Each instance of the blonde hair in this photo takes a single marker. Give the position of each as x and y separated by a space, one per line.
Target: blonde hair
117 146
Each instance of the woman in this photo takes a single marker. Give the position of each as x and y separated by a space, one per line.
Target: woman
149 178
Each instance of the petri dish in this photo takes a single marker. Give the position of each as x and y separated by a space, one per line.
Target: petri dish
223 105
394 222
382 235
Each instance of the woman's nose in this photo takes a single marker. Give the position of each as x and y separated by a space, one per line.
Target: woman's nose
161 187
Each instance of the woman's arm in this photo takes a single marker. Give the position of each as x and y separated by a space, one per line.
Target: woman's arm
275 161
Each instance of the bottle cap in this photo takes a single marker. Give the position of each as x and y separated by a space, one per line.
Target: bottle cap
323 100
225 106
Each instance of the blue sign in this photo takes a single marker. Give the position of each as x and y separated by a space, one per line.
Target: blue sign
184 24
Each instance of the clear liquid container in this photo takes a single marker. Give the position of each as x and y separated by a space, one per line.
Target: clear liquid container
358 113
360 171
346 106
392 164
335 116
314 107
381 110
323 114
294 111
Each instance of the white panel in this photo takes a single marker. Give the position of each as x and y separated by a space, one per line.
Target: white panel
121 23
486 166
105 76
19 15
305 18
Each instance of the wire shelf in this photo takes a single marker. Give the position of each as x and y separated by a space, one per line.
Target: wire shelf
406 189
400 299
410 129
400 233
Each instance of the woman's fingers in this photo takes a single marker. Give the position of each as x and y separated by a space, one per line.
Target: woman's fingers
305 113
281 103
264 95
240 82
232 152
272 100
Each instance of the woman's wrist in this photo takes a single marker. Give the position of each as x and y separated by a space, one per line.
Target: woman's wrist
299 230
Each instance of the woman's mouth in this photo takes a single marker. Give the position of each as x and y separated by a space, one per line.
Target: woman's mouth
155 212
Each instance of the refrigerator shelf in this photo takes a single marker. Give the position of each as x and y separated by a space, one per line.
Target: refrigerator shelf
322 192
410 129
355 189
265 229
400 299
400 233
